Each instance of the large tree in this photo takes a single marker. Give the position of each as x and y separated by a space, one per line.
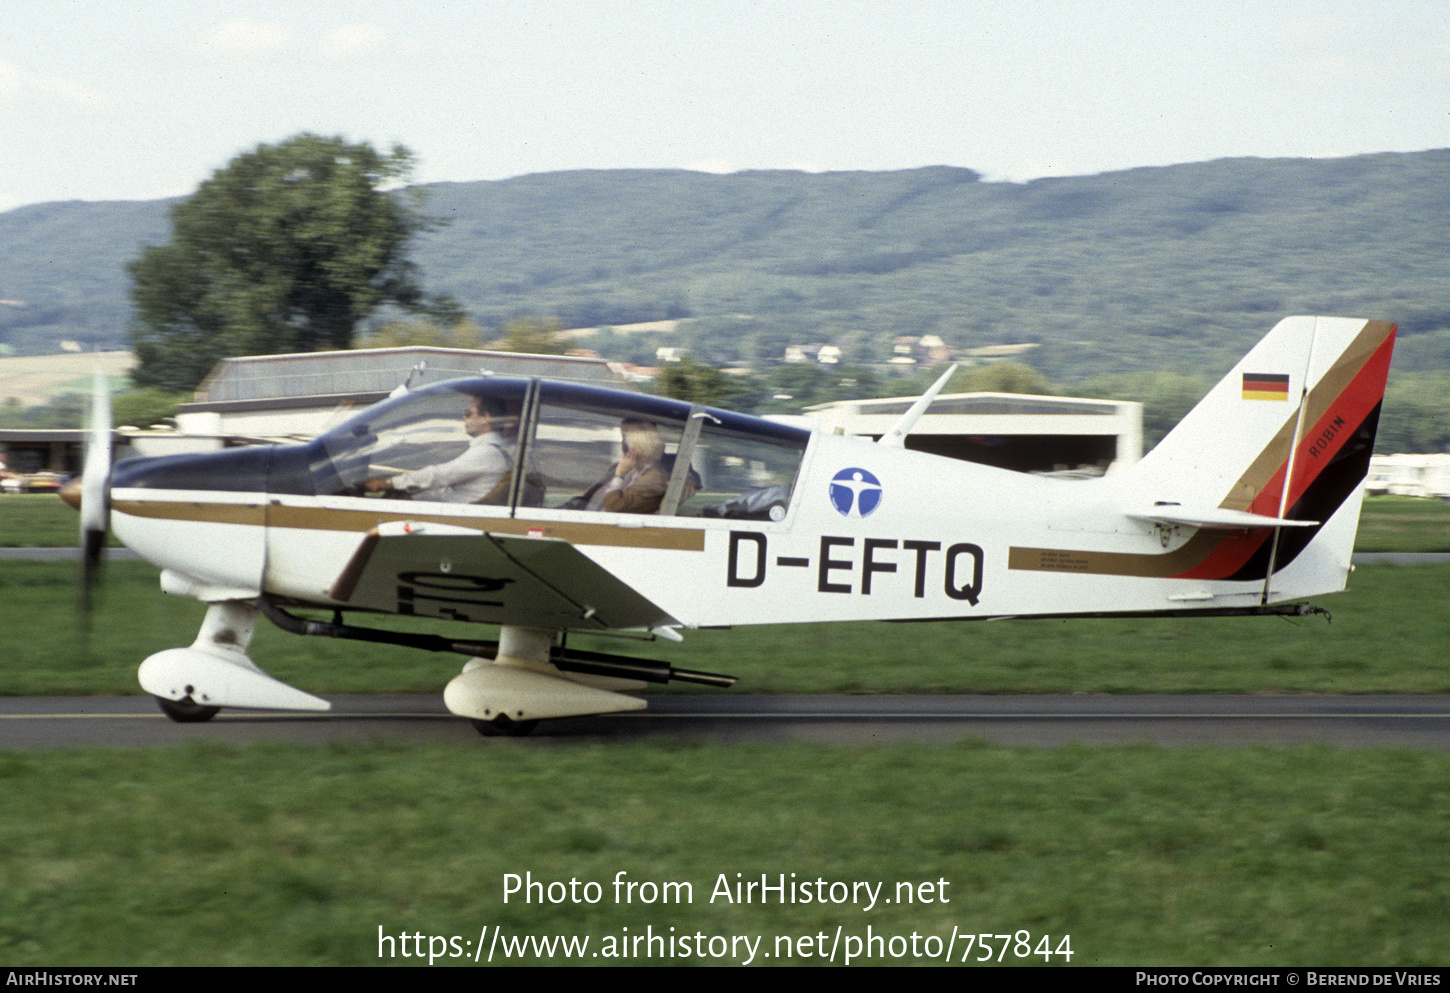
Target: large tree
288 248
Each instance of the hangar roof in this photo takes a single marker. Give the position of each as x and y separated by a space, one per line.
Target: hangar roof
979 404
377 372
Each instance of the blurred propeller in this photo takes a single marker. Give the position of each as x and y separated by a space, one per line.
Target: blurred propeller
95 493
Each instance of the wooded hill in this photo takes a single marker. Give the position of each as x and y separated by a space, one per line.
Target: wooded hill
1177 268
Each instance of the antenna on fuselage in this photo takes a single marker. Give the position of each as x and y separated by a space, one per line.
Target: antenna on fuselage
896 437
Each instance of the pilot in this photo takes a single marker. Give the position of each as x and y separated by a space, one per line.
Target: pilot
638 483
474 476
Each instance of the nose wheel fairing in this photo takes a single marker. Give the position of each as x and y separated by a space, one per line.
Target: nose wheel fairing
216 672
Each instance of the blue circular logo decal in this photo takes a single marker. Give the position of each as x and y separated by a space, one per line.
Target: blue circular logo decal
855 492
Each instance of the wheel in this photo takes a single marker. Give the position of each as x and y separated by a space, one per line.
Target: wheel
186 712
503 726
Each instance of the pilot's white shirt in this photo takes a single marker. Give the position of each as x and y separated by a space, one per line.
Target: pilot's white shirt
465 479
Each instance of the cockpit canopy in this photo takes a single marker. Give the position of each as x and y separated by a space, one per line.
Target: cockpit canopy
465 440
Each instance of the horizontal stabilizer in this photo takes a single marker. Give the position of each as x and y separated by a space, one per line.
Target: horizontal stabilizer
1213 517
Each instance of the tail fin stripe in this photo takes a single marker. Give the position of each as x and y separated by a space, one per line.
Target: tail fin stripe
1343 408
1348 389
1319 501
1348 408
1245 556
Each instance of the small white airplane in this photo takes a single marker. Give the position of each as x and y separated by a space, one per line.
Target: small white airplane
547 507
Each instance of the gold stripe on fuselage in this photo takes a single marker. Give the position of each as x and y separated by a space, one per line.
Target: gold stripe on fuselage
252 514
683 539
1148 566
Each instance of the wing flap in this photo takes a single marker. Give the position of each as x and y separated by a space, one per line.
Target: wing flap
439 570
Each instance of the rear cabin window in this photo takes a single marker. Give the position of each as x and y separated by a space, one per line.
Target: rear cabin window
624 454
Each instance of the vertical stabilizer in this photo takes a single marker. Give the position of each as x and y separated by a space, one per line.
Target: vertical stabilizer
1287 434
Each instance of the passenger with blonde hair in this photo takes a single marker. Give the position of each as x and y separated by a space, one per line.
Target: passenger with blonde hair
638 483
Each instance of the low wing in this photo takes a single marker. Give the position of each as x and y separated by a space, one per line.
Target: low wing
439 570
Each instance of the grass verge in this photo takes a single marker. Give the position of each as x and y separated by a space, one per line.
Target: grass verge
1403 524
213 855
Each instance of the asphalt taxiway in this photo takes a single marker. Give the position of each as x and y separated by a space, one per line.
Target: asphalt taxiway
1421 722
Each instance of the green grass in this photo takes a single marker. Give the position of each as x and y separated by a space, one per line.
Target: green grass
1403 524
37 520
269 855
1388 635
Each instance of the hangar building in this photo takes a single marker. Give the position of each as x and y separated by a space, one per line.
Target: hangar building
277 397
1024 433
282 397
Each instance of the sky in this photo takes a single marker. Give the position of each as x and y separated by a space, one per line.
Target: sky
103 100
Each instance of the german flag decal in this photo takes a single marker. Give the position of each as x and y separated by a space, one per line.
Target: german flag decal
1266 386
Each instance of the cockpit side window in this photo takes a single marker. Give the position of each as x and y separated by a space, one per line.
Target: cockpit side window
646 455
452 443
599 452
748 468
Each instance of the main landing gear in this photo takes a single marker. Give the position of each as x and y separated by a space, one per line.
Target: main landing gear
503 726
509 694
186 711
529 679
